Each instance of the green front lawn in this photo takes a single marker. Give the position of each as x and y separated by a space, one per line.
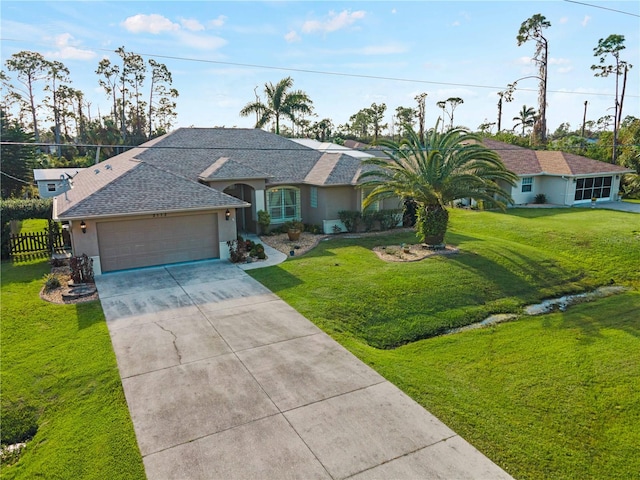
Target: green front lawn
556 396
59 376
506 262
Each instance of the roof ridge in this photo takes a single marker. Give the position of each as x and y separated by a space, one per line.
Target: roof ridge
322 169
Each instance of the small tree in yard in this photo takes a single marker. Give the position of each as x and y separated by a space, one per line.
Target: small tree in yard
446 167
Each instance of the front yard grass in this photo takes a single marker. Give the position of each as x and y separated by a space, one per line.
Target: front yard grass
59 376
556 396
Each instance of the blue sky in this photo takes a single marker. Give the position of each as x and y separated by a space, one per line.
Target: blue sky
217 52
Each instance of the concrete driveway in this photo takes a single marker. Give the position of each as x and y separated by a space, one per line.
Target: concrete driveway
226 381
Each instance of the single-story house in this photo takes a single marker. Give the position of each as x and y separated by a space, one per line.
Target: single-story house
563 178
53 181
182 196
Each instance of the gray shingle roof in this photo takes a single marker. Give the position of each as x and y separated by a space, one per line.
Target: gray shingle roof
136 188
190 151
162 174
226 168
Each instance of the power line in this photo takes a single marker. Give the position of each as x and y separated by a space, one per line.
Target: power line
17 179
603 8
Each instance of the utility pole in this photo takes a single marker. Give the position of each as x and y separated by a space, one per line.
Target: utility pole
584 117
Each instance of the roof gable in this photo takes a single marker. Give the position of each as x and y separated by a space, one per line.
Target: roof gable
142 189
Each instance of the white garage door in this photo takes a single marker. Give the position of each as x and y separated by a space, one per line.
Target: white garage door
157 241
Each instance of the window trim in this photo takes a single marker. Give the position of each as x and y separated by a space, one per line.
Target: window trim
51 187
313 197
526 185
587 185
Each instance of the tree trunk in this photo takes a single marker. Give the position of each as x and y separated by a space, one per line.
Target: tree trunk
432 224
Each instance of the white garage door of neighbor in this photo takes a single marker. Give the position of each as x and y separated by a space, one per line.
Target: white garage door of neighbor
157 241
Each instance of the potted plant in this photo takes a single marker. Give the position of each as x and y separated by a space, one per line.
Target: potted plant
294 228
593 202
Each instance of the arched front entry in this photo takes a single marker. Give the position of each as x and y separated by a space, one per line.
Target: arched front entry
244 216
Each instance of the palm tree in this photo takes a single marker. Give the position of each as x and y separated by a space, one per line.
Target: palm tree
448 166
280 102
526 118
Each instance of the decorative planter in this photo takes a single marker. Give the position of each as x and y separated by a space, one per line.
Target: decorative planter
293 234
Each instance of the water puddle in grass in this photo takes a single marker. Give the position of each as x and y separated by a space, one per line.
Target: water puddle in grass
552 305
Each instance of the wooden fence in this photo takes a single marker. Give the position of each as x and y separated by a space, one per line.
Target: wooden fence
22 243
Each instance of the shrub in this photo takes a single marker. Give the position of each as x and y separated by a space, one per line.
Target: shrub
540 199
236 251
51 282
388 219
350 219
311 228
369 220
256 250
264 220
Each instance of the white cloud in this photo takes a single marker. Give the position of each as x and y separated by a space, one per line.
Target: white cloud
192 24
65 49
585 20
292 37
524 61
187 33
564 19
218 22
394 11
333 22
567 69
201 42
153 23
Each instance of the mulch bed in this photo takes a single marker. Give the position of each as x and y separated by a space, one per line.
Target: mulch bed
55 295
415 253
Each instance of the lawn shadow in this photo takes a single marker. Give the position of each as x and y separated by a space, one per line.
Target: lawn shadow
539 212
275 278
617 312
89 314
517 275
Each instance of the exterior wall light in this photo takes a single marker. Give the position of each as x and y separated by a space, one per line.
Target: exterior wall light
227 215
83 226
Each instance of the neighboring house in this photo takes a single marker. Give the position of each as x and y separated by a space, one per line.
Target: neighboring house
53 181
182 196
563 178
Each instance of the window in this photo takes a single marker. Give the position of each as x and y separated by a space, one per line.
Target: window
527 184
283 204
51 187
373 207
314 197
595 187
